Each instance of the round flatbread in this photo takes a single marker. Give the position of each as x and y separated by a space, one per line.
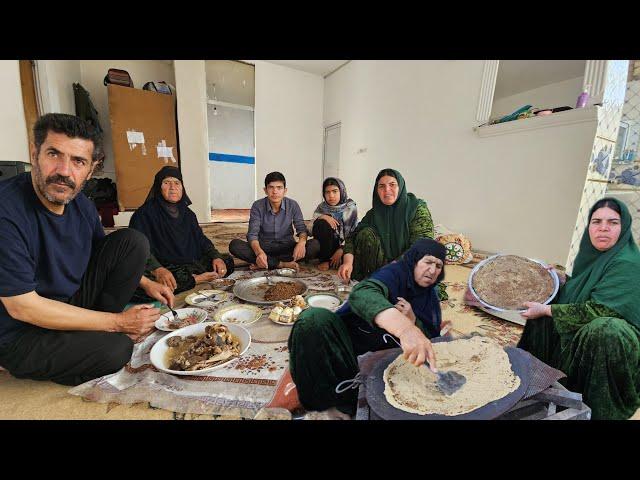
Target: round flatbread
507 281
483 363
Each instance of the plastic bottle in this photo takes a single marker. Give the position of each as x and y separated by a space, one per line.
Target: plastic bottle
583 98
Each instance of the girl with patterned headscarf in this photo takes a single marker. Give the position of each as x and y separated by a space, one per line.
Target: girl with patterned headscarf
334 219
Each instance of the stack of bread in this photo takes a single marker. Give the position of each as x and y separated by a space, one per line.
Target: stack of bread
288 312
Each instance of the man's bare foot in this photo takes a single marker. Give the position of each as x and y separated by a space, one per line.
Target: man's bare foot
329 414
293 265
323 267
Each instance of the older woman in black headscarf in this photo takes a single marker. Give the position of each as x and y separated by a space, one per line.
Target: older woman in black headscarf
182 255
401 299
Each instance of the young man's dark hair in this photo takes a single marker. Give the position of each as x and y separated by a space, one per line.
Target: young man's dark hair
72 127
274 177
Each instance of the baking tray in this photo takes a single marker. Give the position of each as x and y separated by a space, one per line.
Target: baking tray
509 314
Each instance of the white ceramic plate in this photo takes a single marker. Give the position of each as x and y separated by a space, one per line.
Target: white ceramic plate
220 297
324 300
165 319
159 350
238 313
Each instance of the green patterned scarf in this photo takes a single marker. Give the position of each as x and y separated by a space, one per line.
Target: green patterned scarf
612 277
391 222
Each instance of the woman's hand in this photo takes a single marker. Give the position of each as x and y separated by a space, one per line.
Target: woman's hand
344 272
160 292
336 258
205 277
219 267
405 308
536 310
333 223
165 277
417 348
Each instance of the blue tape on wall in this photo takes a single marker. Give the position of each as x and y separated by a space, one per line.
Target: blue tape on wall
223 157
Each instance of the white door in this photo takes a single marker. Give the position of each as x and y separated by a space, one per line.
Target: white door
331 159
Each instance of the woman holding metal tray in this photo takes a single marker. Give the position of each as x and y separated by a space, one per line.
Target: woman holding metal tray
592 331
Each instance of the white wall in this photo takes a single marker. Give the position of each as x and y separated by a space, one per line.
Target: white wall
92 74
234 81
516 193
289 131
14 141
56 79
192 126
558 94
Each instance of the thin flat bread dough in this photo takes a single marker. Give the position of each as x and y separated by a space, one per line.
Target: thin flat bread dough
483 362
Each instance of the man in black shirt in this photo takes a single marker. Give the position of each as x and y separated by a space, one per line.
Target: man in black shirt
63 283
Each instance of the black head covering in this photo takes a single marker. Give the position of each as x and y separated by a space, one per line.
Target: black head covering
399 278
422 247
172 228
156 189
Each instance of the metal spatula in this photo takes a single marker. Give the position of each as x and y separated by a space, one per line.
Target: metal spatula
448 382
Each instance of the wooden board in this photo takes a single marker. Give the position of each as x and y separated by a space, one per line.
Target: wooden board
153 114
28 96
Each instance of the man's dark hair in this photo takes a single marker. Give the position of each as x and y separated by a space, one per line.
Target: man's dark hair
274 177
73 127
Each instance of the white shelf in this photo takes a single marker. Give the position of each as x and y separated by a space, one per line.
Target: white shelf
230 105
568 117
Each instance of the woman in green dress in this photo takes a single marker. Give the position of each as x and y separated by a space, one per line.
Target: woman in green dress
400 299
592 331
395 222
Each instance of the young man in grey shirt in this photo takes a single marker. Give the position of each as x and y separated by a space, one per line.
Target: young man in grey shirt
270 242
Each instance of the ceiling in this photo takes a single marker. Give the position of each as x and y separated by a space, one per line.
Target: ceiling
516 76
318 67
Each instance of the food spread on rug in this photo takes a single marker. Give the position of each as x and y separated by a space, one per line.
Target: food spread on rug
507 281
197 352
483 363
243 386
283 291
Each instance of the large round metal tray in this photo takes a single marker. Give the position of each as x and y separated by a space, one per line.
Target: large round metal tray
252 290
552 273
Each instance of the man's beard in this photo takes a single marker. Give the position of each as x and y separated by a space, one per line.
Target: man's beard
42 183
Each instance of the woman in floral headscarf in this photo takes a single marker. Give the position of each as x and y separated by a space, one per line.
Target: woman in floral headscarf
334 219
